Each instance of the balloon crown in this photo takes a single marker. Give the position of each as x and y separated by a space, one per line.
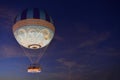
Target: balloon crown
33 13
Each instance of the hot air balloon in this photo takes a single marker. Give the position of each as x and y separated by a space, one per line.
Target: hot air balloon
33 29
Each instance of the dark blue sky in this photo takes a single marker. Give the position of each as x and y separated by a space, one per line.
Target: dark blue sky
85 46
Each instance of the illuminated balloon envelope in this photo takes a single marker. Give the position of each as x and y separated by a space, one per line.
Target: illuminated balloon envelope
33 29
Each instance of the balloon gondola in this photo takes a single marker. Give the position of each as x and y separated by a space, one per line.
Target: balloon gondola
33 29
34 68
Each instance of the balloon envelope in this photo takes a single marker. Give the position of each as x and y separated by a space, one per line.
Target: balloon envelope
33 29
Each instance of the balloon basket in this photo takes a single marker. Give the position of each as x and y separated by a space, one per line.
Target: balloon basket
34 68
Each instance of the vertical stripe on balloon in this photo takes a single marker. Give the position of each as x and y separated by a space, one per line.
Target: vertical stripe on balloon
30 13
42 14
24 14
36 14
17 18
51 20
47 17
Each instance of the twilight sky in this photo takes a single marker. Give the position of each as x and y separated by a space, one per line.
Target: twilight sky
85 46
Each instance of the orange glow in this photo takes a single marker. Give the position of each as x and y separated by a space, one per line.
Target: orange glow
34 69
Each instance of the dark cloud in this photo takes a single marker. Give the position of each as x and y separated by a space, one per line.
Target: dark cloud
106 51
67 63
7 16
95 39
90 43
85 43
10 51
111 73
72 69
82 72
59 38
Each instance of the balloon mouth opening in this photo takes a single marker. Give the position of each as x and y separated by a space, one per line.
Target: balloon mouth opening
34 46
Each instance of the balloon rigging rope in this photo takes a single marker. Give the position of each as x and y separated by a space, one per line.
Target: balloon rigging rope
39 56
27 54
42 53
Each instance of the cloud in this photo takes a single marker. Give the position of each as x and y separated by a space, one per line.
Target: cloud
7 16
95 39
58 37
10 51
89 44
70 64
108 51
82 28
61 75
111 73
86 72
67 63
58 75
